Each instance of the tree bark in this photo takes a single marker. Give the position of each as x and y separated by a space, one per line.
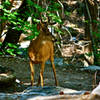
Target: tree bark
91 31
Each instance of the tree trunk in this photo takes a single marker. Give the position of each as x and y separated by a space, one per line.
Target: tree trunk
91 15
13 35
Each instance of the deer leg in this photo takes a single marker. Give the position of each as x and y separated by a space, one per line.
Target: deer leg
32 72
41 73
54 71
38 80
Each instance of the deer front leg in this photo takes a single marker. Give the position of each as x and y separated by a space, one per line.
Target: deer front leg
54 71
41 74
32 72
39 78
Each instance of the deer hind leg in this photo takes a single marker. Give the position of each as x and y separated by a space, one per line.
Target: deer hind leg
41 74
32 72
54 71
38 80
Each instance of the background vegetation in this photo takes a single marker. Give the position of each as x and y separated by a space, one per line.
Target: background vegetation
15 20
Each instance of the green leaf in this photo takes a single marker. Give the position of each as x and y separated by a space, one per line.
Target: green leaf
10 51
67 13
6 11
0 43
86 21
40 9
1 53
19 52
1 7
88 54
12 45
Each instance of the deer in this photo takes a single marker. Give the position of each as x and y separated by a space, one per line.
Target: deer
40 50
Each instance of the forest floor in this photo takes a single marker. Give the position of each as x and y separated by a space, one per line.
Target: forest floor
67 76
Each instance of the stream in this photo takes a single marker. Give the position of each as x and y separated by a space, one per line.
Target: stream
32 92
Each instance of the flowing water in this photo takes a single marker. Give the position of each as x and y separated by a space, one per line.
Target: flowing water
32 92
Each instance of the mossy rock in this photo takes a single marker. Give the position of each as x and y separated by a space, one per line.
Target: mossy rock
7 76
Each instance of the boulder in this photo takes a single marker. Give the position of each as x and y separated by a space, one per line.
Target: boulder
7 76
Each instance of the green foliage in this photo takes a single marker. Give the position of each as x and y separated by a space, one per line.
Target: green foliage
55 18
20 24
86 21
6 4
11 49
32 10
54 6
67 13
89 54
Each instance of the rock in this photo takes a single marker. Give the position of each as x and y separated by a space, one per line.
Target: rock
96 91
45 93
50 93
57 61
91 68
7 76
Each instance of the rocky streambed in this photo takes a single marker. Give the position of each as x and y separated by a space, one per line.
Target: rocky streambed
71 80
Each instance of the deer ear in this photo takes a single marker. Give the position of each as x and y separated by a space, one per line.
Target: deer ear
38 26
